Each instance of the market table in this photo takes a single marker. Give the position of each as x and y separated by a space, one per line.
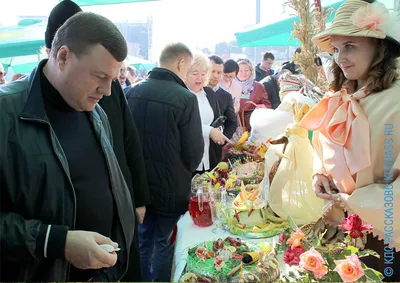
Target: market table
190 235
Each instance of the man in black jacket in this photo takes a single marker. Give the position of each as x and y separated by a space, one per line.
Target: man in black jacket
225 101
62 190
264 68
167 116
127 146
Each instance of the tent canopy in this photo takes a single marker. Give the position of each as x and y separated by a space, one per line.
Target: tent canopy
105 2
21 40
139 63
276 34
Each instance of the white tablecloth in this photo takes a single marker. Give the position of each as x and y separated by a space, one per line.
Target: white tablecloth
190 235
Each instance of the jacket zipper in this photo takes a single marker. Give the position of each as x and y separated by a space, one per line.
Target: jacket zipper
60 158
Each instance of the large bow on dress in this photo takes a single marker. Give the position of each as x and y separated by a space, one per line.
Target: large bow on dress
345 136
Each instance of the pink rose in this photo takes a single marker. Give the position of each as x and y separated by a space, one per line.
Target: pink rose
292 256
313 261
349 269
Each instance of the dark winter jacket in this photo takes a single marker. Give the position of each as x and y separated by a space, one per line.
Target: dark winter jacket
258 96
260 73
226 107
36 189
271 86
167 117
128 150
127 145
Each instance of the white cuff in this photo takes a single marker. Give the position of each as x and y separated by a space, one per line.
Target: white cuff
46 241
206 131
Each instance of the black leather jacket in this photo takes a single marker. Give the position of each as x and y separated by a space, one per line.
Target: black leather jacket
36 188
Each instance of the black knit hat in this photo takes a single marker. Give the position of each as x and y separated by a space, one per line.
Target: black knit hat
58 16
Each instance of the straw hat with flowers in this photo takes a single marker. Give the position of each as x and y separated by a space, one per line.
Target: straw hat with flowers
365 19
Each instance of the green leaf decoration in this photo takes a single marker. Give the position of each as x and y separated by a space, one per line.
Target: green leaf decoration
365 253
363 279
352 249
373 275
318 244
292 224
291 274
330 261
333 276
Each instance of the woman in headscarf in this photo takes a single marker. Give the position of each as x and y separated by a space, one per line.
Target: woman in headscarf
251 91
356 127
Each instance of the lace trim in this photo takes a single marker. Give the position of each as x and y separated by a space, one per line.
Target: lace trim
320 172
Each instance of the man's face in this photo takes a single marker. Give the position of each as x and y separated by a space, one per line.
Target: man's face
216 74
122 74
267 64
131 76
85 80
2 75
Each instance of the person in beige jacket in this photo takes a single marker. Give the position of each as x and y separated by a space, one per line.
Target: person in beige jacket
357 127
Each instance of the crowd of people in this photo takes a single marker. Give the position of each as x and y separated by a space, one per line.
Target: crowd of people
90 155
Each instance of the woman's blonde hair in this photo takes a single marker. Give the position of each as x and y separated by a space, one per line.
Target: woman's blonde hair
383 71
248 63
202 61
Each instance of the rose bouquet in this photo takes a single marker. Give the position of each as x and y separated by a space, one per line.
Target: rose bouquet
337 262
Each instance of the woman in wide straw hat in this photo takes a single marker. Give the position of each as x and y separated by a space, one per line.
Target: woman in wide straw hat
357 125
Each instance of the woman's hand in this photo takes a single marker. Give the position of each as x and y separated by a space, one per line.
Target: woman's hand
322 187
218 137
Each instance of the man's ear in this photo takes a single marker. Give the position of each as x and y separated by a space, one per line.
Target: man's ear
181 64
63 56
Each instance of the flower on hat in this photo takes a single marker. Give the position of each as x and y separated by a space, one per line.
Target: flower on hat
373 17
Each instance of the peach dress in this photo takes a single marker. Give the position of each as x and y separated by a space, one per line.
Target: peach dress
357 144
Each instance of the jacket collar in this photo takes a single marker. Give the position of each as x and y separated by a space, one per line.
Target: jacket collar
166 75
34 106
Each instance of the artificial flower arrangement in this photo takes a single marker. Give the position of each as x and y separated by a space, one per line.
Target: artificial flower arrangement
338 262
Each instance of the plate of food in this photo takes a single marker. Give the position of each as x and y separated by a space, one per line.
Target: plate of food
252 217
231 260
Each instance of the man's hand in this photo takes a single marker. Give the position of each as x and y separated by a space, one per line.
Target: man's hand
140 213
82 250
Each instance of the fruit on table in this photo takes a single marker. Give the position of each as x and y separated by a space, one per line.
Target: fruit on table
223 166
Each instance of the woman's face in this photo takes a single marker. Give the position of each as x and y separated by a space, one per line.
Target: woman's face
244 72
228 77
354 55
196 78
